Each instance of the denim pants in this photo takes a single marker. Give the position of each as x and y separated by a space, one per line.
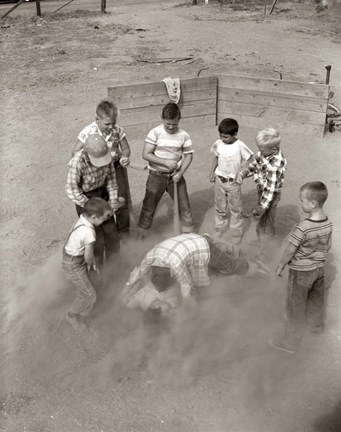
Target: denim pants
266 225
228 197
157 184
305 303
107 238
76 271
122 214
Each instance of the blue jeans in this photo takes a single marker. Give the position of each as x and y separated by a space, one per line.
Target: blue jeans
157 184
228 197
107 238
76 271
305 303
266 225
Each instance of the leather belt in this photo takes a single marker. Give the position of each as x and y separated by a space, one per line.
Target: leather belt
225 180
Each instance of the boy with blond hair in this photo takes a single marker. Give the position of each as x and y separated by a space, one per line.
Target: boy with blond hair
268 169
230 155
106 126
306 254
79 258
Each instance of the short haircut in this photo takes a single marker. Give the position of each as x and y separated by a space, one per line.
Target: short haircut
106 109
161 277
316 191
96 207
171 111
268 137
228 126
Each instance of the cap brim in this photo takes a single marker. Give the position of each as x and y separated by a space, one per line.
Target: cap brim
100 161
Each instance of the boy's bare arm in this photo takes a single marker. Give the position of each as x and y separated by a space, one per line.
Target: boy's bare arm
89 256
213 168
148 155
79 145
125 148
286 258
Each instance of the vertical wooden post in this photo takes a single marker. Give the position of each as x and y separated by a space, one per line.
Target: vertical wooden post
103 6
38 8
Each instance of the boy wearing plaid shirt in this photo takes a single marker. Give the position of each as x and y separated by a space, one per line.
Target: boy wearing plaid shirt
268 169
92 174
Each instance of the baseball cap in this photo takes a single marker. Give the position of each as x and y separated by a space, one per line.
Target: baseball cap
97 150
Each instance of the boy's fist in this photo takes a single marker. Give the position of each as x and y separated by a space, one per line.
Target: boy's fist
124 161
258 211
118 203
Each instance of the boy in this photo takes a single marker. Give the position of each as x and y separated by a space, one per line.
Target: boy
79 259
230 154
267 168
169 151
105 125
91 174
306 253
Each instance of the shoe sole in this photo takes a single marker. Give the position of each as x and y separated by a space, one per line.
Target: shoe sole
280 348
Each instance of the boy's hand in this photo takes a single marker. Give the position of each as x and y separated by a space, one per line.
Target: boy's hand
279 270
211 178
257 212
239 178
124 161
176 177
118 203
172 165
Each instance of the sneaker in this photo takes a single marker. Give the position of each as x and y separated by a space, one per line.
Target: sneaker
75 323
142 233
281 346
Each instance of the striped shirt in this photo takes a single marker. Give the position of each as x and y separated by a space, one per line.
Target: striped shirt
313 240
113 139
268 173
84 177
168 146
187 257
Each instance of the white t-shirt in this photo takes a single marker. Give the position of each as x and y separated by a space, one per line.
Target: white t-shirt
82 234
230 157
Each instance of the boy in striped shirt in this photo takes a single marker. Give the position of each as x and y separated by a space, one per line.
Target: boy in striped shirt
306 254
169 152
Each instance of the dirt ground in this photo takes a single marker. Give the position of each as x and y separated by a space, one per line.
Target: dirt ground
209 372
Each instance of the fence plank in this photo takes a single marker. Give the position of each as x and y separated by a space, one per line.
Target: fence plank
272 113
273 100
273 86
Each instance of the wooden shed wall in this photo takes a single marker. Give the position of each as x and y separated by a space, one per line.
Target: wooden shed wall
141 105
285 105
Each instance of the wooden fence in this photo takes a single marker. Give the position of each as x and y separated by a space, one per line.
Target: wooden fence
253 102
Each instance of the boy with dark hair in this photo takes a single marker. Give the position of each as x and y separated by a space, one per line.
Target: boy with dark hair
169 151
230 155
268 169
79 258
106 126
306 254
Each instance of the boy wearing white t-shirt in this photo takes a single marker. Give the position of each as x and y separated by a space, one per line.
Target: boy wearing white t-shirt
79 259
230 155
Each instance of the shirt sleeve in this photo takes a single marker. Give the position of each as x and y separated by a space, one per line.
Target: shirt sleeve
273 176
89 236
188 145
214 149
73 191
297 236
83 134
245 151
152 137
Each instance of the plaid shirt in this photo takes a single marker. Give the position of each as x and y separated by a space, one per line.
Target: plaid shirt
187 257
268 174
84 177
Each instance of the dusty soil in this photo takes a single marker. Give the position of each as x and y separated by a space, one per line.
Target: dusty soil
211 372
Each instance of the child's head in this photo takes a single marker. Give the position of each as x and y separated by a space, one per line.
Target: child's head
171 116
312 196
97 150
106 116
97 210
161 278
268 141
228 129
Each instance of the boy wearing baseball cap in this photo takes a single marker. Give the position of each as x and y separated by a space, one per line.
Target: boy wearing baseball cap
91 174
